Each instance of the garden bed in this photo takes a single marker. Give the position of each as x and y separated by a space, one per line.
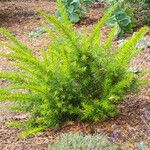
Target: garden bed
131 124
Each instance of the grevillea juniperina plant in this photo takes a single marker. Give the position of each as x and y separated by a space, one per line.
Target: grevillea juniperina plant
77 76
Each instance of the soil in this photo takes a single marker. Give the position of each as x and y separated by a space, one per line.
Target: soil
133 122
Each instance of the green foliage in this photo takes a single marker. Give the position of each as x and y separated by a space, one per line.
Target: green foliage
14 124
123 17
76 9
77 76
79 141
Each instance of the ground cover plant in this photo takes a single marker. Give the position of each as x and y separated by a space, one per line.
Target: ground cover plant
81 141
79 76
78 141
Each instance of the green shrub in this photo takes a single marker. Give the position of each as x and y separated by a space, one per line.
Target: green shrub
79 141
77 76
76 9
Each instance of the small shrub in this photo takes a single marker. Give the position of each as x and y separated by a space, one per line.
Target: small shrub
78 76
79 141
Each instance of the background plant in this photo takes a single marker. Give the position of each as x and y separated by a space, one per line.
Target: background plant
142 12
77 76
76 9
123 16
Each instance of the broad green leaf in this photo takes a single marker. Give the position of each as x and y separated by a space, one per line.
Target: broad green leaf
124 22
71 9
74 17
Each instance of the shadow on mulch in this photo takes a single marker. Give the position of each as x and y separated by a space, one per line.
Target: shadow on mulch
9 18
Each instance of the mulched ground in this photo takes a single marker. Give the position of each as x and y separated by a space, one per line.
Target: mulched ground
133 122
